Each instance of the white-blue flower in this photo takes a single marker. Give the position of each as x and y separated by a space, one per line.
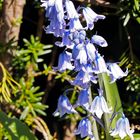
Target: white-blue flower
99 105
55 14
116 72
84 77
70 9
47 3
79 53
64 106
91 51
91 17
75 24
78 37
99 40
65 39
64 62
122 129
83 99
84 128
100 65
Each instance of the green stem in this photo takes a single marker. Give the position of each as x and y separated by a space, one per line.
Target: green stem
95 130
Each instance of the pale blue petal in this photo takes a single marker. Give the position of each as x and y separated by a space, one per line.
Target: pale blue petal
91 17
70 9
90 49
96 39
84 128
116 72
64 62
64 106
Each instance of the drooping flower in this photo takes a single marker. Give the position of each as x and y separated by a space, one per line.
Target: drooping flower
122 128
79 53
85 53
65 39
75 24
83 99
91 51
55 14
70 9
99 105
116 72
84 128
64 62
64 106
56 28
99 40
84 77
72 16
47 3
100 65
91 17
57 9
77 37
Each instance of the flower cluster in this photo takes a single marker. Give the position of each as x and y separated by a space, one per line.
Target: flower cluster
81 55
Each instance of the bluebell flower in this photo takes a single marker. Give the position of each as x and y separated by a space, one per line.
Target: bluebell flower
74 37
79 53
122 129
100 65
99 105
55 28
77 65
73 17
78 37
84 53
81 79
75 24
55 10
91 51
84 77
70 9
91 17
82 56
65 39
96 39
47 3
64 106
84 128
55 13
64 62
83 99
116 72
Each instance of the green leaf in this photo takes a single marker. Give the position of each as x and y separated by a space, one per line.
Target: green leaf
137 136
47 46
138 19
24 113
16 129
44 52
126 19
137 4
40 60
40 112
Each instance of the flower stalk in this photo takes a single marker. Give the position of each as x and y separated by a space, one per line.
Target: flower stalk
81 55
